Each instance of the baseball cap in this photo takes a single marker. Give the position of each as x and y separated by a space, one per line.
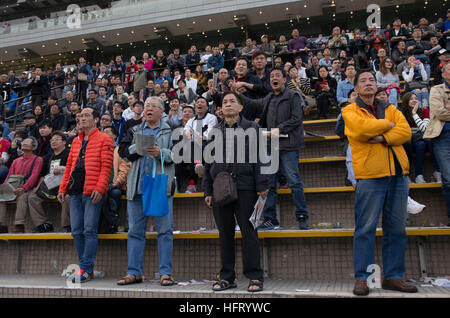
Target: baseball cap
29 115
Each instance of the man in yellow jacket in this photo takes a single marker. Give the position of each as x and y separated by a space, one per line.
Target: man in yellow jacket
376 132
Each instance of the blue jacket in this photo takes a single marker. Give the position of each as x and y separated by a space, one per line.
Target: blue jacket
216 61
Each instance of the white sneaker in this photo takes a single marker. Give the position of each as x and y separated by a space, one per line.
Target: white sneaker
414 207
437 176
199 170
420 179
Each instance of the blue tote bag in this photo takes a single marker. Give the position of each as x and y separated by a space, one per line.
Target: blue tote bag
154 192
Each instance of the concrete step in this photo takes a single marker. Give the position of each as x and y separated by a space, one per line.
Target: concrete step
288 254
51 286
325 204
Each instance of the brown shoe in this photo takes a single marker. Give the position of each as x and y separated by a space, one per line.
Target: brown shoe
399 285
19 228
361 288
3 228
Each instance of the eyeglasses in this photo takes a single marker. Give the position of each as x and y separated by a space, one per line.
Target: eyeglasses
55 140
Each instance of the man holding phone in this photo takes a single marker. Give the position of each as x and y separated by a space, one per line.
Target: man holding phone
86 180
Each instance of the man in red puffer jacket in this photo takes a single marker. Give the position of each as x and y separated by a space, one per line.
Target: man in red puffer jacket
86 179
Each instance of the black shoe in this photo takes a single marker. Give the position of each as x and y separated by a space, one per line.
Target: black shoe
3 228
66 229
316 116
43 228
303 223
269 225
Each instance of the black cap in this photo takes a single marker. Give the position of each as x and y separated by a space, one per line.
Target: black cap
29 115
442 51
140 62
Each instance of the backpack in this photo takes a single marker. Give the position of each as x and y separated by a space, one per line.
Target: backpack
109 217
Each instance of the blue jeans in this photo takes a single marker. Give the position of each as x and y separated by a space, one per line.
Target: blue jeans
389 194
393 97
423 96
441 147
137 223
84 216
289 169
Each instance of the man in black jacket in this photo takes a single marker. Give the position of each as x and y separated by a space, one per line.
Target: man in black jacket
247 84
58 82
37 83
282 115
398 33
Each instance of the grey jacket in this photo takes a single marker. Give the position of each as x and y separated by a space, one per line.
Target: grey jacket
127 150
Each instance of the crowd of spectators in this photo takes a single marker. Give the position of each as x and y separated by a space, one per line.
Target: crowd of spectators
407 60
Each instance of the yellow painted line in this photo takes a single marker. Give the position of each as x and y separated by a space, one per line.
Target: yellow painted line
215 235
325 138
428 185
320 121
324 159
431 185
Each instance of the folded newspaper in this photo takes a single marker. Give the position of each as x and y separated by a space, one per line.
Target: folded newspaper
6 192
143 142
52 181
255 219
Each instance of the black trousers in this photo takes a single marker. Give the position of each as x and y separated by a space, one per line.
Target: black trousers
323 104
225 218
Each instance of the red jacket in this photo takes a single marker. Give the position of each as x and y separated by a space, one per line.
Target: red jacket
98 162
22 166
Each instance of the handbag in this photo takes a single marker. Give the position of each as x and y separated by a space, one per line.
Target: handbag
224 188
310 101
154 192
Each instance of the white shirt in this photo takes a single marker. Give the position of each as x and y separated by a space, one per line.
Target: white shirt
209 120
204 59
192 83
302 72
128 113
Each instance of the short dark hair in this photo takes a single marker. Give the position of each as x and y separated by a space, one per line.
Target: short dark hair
113 130
95 112
258 53
279 69
45 122
349 93
349 65
238 96
358 74
118 103
59 133
93 90
243 59
22 134
138 103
